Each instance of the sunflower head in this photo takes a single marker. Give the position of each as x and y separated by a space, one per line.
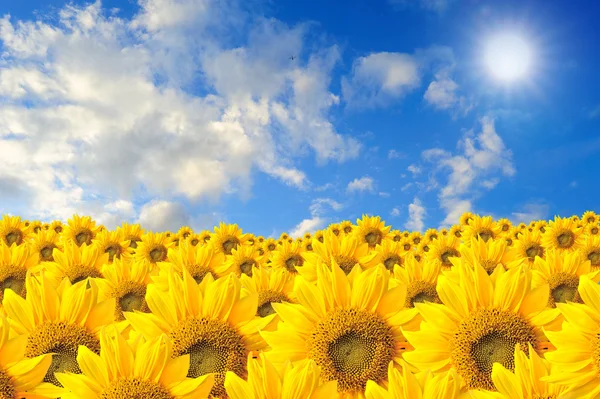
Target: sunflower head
131 232
592 229
288 256
14 231
442 250
153 247
228 237
76 263
396 235
114 244
184 232
589 217
336 229
346 226
415 238
199 260
465 218
80 230
44 243
456 231
591 251
527 246
390 254
271 286
505 225
241 261
15 261
430 235
563 235
371 230
56 226
482 227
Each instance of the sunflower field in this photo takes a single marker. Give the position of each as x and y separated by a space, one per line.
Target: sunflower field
484 309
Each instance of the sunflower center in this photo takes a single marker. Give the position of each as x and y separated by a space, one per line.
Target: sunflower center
158 254
416 240
397 238
14 237
198 272
113 250
489 265
447 254
352 346
373 238
46 253
485 234
135 388
485 337
392 260
563 288
594 257
534 250
266 299
505 227
407 247
13 278
346 263
84 237
194 241
292 262
58 229
566 239
336 232
229 244
7 389
13 283
63 340
347 229
420 291
133 242
246 266
214 347
595 346
81 272
309 247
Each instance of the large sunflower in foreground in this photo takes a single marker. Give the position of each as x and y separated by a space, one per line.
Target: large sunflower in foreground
479 322
209 321
80 230
15 261
300 381
371 230
350 327
13 230
58 320
121 370
19 377
563 235
346 251
406 385
525 382
577 354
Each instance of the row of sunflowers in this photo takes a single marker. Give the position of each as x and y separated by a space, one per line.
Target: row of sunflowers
484 309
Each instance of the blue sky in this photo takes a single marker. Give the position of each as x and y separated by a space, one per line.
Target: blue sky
171 112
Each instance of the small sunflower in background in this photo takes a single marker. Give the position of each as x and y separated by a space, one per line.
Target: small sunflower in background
184 232
465 218
482 227
336 229
241 261
563 235
14 231
590 217
541 226
423 247
307 245
271 286
592 229
415 238
44 243
205 237
488 255
527 246
153 247
287 256
396 235
77 263
15 262
36 226
430 235
131 232
80 230
319 236
591 251
114 244
56 226
199 261
346 226
307 236
227 237
456 231
371 230
442 249
505 225
389 254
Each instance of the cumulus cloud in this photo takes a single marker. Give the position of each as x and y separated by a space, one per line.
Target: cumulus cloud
414 169
160 215
318 208
416 216
529 212
362 184
443 94
395 212
394 154
478 164
103 106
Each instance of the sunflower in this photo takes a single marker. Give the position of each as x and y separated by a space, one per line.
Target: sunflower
123 370
19 377
465 218
396 235
430 235
456 230
346 226
269 245
423 247
271 286
346 251
80 230
288 256
561 271
14 231
589 217
15 261
307 245
488 254
35 226
153 247
578 344
114 244
199 261
371 230
307 236
44 243
350 327
389 253
591 251
444 231
241 260
58 320
125 280
592 229
525 382
336 229
56 226
415 238
300 381
75 263
205 236
541 226
442 249
527 246
406 385
522 226
575 218
209 321
478 324
319 236
483 227
228 237
563 235
505 225
131 232
195 239
184 232
406 244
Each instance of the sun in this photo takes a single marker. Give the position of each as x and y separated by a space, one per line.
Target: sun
508 57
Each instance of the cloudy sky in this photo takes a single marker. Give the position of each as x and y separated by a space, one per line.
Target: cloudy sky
289 115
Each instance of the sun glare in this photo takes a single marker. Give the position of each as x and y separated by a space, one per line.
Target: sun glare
508 57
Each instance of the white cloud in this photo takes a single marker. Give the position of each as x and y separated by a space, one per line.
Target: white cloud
442 93
318 208
383 194
480 161
438 6
160 215
416 214
414 169
362 184
380 77
395 212
394 154
529 212
103 105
